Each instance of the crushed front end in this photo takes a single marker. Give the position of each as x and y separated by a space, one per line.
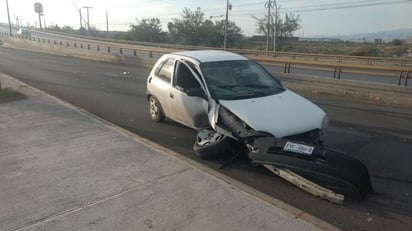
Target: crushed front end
301 153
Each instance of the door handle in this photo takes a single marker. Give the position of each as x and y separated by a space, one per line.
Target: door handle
171 95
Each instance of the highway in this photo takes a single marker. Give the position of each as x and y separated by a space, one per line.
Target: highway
128 53
380 136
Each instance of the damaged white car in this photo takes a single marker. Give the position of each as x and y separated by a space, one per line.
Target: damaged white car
239 107
229 97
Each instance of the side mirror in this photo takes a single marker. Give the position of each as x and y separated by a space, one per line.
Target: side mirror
197 92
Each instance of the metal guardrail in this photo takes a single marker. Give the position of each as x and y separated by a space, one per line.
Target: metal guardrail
402 61
392 67
337 68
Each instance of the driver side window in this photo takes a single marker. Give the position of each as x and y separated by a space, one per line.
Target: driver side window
183 78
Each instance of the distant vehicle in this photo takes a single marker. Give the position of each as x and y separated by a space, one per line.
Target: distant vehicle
24 32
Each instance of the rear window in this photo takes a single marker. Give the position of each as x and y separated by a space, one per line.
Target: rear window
165 70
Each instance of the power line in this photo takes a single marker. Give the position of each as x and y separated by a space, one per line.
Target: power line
245 4
317 7
338 6
311 8
242 8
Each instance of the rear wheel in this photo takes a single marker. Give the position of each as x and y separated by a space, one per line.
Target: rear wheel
156 113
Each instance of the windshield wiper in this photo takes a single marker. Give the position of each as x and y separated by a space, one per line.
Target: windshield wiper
258 86
254 86
228 86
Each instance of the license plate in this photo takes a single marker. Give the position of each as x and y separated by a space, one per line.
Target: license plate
298 148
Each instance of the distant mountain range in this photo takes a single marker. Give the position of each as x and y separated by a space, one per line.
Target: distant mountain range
387 35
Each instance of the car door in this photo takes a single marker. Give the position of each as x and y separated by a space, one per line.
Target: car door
188 110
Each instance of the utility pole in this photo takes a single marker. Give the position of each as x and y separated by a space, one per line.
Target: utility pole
268 5
227 16
275 26
8 15
88 7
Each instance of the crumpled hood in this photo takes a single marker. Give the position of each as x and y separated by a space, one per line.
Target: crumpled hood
281 115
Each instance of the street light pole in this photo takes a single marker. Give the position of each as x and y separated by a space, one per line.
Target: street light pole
17 20
8 15
40 20
80 14
107 21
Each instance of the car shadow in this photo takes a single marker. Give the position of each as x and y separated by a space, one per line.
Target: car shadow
9 95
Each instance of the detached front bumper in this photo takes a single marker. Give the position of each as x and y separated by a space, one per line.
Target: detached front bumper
330 169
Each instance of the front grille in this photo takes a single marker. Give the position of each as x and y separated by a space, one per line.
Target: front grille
312 137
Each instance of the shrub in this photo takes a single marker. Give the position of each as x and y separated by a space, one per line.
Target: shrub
367 50
396 42
285 46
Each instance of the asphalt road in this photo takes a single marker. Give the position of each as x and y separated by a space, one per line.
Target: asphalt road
379 136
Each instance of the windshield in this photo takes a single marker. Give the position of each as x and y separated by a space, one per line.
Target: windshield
243 79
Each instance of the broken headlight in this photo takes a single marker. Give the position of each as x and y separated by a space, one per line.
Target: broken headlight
237 127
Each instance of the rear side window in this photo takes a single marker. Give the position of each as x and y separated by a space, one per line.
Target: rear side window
165 70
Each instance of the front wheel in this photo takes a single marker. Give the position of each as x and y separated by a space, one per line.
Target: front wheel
155 110
210 143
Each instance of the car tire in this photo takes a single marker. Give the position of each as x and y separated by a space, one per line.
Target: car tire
208 150
155 110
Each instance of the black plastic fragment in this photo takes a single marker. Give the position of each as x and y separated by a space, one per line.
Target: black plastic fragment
328 168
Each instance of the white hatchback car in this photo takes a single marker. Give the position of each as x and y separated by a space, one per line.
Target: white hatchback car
24 32
228 97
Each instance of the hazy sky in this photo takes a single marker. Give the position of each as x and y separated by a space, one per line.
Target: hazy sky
319 17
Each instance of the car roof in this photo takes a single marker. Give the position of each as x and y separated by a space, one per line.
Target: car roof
204 56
